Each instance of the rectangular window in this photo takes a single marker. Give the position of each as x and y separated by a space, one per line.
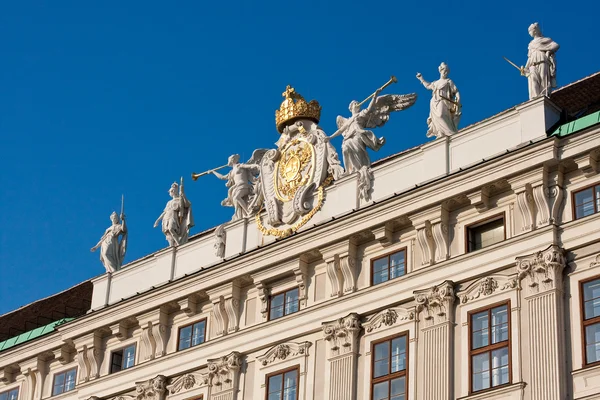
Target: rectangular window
284 303
388 378
590 293
587 201
388 267
283 385
484 234
64 381
12 394
122 359
192 335
490 347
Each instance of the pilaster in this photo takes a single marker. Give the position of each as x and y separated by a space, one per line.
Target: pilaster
435 317
341 336
543 290
223 376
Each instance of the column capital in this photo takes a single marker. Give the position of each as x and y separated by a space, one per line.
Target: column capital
435 303
542 270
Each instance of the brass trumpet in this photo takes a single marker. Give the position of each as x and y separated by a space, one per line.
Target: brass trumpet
195 176
388 83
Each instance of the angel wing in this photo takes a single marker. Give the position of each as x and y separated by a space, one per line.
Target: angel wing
385 105
257 156
340 121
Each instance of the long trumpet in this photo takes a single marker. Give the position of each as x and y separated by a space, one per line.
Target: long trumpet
195 176
388 83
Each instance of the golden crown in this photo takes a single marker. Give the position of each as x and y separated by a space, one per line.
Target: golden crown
294 107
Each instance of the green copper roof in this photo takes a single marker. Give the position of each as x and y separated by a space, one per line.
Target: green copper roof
33 334
577 125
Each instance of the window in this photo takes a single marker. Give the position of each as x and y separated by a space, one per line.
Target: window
587 201
122 359
590 293
10 394
489 347
388 267
388 380
484 234
283 304
64 381
283 385
192 335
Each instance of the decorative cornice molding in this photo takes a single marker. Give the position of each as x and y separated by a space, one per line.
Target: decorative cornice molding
542 269
596 262
152 389
487 286
388 317
342 333
284 351
436 302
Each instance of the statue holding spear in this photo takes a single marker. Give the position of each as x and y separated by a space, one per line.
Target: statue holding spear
112 250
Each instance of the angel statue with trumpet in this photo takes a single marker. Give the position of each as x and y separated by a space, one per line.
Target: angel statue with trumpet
243 193
354 129
112 250
177 219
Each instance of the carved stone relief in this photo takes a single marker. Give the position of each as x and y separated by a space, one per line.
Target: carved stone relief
435 304
284 351
487 286
388 317
152 389
342 334
542 270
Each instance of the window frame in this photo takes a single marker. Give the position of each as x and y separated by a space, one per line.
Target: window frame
585 323
122 349
283 372
394 375
65 372
594 201
388 255
284 292
481 222
18 389
491 347
192 325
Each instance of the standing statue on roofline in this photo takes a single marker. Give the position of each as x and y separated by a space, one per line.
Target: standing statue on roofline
177 219
540 69
445 108
112 250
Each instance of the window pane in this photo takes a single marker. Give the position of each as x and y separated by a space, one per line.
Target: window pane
380 264
399 354
397 264
275 384
592 343
380 391
291 301
184 337
198 333
117 361
481 380
398 389
277 306
129 357
59 382
70 380
380 276
486 234
290 383
479 327
499 324
381 365
591 297
584 203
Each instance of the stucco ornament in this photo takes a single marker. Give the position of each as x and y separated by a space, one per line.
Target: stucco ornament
357 137
112 250
444 107
540 69
177 219
243 183
153 389
293 176
220 241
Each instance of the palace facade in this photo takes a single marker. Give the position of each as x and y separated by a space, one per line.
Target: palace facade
473 272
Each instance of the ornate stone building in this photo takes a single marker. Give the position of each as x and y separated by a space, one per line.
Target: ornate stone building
468 269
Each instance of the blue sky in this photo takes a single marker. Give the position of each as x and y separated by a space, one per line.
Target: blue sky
99 99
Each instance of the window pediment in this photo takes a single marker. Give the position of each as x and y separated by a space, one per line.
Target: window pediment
284 351
388 317
487 286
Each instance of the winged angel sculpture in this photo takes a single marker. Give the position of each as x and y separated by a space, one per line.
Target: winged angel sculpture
356 136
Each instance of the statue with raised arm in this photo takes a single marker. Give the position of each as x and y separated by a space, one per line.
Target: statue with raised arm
445 107
356 137
177 219
243 193
112 250
540 69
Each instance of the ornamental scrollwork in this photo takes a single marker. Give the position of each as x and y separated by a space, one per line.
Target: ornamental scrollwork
542 268
487 286
436 302
342 332
284 351
153 389
388 317
185 382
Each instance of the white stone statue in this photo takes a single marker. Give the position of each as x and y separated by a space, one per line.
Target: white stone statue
177 216
357 138
244 193
220 241
112 250
540 69
445 107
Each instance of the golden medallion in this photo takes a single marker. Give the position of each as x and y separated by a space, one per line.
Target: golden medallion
295 168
